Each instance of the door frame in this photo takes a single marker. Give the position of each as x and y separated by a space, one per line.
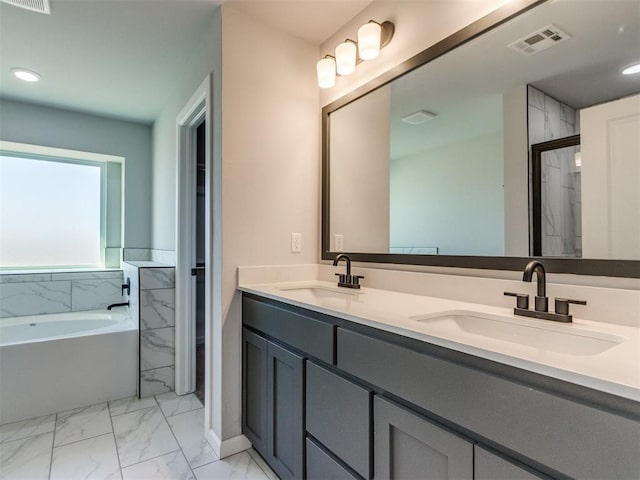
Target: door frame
199 108
536 184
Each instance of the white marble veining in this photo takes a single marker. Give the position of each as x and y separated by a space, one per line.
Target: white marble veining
535 97
549 119
92 459
157 348
173 404
95 294
131 404
82 423
34 298
145 437
142 435
157 277
157 308
536 125
27 428
393 311
236 467
189 431
171 466
26 459
262 464
552 118
157 381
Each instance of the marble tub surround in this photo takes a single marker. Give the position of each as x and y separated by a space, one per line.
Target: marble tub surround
614 370
57 292
128 439
152 302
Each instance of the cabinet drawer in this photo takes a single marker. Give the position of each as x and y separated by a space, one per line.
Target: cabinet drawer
553 431
314 337
338 415
320 466
488 466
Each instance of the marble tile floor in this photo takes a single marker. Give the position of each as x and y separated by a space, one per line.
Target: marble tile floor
155 438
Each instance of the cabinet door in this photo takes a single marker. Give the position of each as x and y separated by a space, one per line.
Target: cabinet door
407 446
488 466
254 389
285 442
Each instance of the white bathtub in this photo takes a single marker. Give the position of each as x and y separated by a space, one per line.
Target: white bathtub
55 362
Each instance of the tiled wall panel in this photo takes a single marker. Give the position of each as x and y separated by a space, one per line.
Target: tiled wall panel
153 301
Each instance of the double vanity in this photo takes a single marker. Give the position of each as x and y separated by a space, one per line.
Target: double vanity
363 383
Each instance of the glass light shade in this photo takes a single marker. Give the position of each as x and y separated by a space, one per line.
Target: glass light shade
346 58
326 69
369 40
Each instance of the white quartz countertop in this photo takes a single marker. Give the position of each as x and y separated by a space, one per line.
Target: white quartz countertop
602 356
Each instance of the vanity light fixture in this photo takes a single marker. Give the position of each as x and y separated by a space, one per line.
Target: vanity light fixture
372 37
326 69
631 69
26 75
346 57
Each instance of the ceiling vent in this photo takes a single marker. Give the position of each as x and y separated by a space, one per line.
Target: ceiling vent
416 118
40 6
541 40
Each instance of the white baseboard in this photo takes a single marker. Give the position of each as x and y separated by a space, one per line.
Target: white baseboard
228 447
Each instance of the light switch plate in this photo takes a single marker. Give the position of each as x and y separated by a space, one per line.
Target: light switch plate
338 242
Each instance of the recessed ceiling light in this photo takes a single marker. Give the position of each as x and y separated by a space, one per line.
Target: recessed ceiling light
631 69
26 75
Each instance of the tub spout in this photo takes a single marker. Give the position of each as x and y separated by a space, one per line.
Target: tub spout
125 304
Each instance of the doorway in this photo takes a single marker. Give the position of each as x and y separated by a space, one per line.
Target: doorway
194 244
199 267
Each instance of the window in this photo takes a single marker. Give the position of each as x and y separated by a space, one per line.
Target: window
53 207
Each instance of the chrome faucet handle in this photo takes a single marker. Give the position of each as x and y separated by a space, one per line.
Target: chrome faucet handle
562 305
522 299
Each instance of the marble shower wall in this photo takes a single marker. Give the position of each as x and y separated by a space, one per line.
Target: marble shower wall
550 119
42 293
152 301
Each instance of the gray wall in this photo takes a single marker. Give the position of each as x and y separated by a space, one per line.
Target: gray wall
38 125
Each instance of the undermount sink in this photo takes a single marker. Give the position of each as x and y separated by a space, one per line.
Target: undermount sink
319 293
561 338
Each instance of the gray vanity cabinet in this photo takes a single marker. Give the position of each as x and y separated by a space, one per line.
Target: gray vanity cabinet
376 404
273 404
338 415
407 447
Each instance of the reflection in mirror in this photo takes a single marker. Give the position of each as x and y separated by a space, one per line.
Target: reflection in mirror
435 162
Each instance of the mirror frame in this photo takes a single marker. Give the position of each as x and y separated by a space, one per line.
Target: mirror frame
600 267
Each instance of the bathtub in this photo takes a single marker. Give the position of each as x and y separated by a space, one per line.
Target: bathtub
55 362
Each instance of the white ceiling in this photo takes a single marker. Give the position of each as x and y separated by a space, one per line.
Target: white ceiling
465 86
120 58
